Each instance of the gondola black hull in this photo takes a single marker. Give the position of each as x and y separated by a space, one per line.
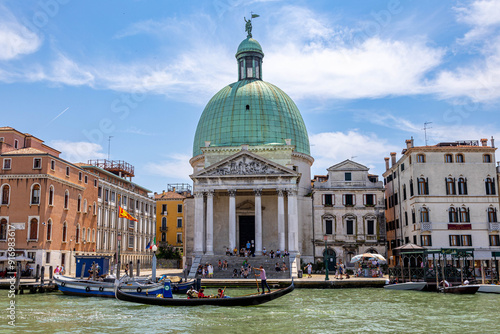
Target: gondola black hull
232 301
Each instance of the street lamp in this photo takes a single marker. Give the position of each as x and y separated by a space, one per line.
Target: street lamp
325 237
153 264
118 260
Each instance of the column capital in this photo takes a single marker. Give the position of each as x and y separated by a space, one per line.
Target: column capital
258 192
291 192
198 194
232 192
280 192
210 193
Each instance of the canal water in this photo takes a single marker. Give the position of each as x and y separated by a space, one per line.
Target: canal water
302 311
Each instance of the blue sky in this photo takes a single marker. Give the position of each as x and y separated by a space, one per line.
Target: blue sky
365 75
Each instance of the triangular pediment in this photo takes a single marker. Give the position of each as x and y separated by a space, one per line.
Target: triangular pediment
349 166
245 163
246 206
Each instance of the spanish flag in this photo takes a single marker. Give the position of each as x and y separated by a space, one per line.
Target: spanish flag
125 214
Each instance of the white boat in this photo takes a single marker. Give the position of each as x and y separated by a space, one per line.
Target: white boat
416 286
489 288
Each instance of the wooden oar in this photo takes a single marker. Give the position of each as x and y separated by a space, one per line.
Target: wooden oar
256 282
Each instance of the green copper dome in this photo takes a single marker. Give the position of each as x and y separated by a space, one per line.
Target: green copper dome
251 111
249 45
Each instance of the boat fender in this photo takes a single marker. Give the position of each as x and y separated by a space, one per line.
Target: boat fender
101 289
87 289
139 290
63 283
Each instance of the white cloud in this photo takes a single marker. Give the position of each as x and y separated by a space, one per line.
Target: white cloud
15 39
78 151
482 15
175 166
329 148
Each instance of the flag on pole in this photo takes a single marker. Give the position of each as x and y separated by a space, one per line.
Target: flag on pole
124 214
255 15
149 245
154 243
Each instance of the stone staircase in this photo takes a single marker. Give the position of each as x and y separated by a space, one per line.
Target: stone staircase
235 262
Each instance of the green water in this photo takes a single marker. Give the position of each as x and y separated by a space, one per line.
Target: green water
302 311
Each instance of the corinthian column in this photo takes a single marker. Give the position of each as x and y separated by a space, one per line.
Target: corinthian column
281 220
232 219
258 221
293 222
199 233
210 223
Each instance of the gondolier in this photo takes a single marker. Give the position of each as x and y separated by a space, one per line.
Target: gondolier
263 279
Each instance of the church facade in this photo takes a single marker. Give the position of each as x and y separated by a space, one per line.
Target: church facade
251 169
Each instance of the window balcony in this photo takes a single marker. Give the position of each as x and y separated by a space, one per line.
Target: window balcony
494 226
425 226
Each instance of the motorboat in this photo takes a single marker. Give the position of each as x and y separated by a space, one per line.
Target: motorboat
168 300
489 288
416 286
460 289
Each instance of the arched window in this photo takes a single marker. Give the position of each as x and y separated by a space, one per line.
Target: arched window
77 235
450 186
35 194
3 229
85 206
66 199
164 224
421 158
464 215
462 186
163 237
404 192
84 234
448 158
487 158
5 194
411 187
33 232
423 186
492 215
490 186
453 215
49 229
424 215
51 195
88 235
93 235
94 209
64 232
459 157
79 204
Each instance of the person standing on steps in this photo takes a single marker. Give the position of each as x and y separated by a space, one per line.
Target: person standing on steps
263 279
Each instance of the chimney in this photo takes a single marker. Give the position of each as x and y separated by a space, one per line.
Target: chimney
409 143
484 141
386 163
393 158
492 142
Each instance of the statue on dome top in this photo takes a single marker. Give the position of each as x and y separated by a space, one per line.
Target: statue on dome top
248 26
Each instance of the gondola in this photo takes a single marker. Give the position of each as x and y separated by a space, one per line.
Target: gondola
254 299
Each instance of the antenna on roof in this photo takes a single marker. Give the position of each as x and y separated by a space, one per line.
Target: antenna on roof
354 156
425 131
109 145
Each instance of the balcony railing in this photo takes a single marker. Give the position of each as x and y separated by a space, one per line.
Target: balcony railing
494 227
426 226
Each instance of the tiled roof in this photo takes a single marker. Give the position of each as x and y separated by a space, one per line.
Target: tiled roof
169 195
28 150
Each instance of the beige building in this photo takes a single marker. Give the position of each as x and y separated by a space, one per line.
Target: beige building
443 196
348 209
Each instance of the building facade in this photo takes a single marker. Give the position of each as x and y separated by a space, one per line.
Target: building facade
170 218
443 196
116 189
51 203
251 168
348 209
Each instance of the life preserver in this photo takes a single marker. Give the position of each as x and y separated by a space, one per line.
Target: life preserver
101 289
87 289
139 290
63 283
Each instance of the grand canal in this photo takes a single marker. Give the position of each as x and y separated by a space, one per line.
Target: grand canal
303 311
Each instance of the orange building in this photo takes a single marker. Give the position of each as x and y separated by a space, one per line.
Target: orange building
51 203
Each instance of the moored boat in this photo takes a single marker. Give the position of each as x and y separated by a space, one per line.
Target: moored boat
247 300
106 288
416 286
489 288
460 289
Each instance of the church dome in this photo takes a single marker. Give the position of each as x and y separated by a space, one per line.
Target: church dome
251 111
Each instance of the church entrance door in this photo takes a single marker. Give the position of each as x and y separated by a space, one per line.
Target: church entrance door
247 230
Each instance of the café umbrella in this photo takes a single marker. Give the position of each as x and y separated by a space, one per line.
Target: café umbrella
367 256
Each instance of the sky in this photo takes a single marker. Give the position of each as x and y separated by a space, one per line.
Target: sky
365 75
